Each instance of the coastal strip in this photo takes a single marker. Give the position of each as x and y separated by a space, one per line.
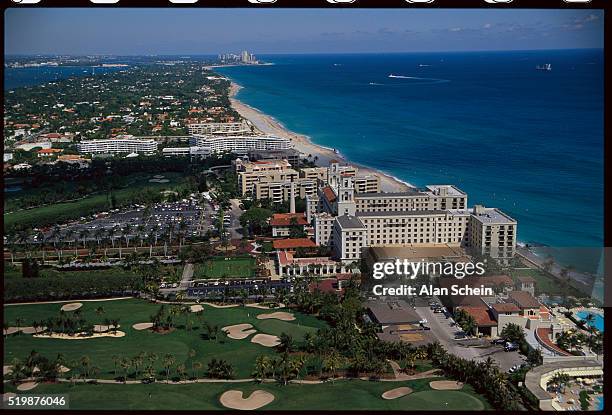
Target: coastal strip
268 125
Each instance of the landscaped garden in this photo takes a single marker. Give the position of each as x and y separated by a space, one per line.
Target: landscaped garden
226 267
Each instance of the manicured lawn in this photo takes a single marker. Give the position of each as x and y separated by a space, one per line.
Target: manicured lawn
240 353
232 267
544 283
340 395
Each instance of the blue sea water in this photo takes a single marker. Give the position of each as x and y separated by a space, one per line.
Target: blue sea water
598 323
529 142
18 77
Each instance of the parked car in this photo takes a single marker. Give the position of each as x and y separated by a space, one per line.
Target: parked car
511 347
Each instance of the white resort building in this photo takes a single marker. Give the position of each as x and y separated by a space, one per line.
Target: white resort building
239 144
123 144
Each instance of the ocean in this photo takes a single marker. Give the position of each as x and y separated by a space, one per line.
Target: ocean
527 141
19 77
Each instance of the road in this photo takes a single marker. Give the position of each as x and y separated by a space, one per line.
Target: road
473 349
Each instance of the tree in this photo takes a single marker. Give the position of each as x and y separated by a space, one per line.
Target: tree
513 333
255 220
332 363
534 357
168 362
286 343
263 367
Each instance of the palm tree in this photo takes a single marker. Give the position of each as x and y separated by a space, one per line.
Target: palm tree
168 362
263 366
125 365
115 363
100 311
196 366
332 363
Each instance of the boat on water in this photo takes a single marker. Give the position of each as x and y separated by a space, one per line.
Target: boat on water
545 67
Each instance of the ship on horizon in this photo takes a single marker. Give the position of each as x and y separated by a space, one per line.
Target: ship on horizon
545 67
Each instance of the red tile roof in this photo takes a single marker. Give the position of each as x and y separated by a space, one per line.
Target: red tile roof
523 299
293 243
328 285
49 151
481 315
329 194
284 219
506 308
542 334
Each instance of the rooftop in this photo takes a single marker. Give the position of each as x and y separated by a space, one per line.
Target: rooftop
329 194
450 190
293 243
403 213
491 216
481 315
392 312
524 299
349 222
285 219
526 280
381 195
506 308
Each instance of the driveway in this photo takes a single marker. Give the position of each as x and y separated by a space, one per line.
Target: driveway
473 349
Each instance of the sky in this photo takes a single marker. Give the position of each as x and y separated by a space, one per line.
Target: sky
267 31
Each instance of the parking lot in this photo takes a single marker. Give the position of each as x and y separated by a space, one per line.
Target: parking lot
467 348
254 287
187 218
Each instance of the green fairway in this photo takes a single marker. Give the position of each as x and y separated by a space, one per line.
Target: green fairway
240 353
232 267
340 395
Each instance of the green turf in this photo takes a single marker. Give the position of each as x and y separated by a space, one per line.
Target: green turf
221 267
339 395
240 353
545 284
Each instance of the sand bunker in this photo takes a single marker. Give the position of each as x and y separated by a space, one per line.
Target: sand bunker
159 176
80 336
27 386
446 385
279 315
222 306
32 330
397 393
196 308
71 306
233 399
239 331
159 181
7 369
9 331
142 326
264 307
64 369
100 328
267 340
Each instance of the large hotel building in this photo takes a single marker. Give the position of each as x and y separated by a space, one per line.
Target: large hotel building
126 144
349 221
239 144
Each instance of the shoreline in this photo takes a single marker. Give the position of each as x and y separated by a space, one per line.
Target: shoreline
303 143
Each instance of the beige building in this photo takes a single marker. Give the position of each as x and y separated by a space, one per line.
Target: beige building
346 219
492 233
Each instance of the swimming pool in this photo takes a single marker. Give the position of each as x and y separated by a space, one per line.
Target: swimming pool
598 323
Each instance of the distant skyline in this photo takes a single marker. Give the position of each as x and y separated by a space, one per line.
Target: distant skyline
269 31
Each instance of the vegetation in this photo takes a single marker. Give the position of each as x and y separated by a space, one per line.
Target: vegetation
226 267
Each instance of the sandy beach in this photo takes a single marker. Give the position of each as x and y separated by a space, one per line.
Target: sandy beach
268 125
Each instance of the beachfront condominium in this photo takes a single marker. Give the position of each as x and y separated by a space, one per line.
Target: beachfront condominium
272 179
348 221
119 145
239 144
220 128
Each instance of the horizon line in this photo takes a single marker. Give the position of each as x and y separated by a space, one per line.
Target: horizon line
299 53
